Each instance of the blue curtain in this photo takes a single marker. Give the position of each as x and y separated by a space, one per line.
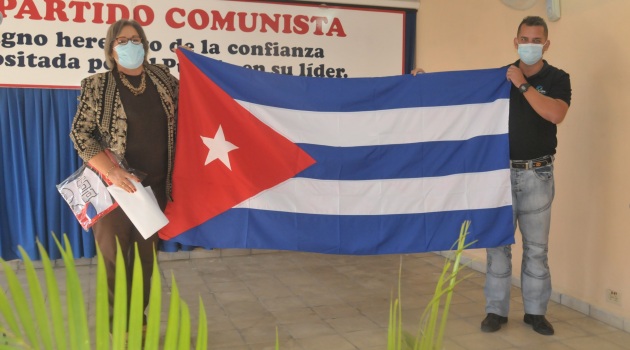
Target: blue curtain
36 154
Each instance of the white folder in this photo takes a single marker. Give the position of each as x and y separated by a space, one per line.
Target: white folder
141 208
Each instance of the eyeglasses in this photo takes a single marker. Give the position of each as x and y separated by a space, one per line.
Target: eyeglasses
136 40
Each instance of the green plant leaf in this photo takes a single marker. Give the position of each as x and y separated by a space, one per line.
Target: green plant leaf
77 335
463 233
6 310
77 316
38 301
102 303
391 328
202 330
20 303
54 301
184 328
430 331
170 340
152 338
10 341
399 320
119 322
136 305
409 341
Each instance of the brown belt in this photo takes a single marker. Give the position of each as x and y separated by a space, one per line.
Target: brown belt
530 164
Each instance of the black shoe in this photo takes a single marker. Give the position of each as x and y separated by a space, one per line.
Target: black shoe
539 324
492 323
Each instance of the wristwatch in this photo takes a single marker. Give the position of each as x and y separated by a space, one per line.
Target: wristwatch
523 88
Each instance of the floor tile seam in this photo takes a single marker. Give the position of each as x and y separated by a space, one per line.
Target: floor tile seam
582 337
543 339
595 333
614 342
258 297
464 345
344 335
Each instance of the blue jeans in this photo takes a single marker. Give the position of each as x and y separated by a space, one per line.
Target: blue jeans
532 193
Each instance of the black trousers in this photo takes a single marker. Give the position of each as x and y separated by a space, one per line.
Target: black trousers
116 224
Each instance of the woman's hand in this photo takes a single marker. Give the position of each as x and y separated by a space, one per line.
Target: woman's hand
121 178
113 172
185 47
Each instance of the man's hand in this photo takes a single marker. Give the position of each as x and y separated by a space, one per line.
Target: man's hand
515 75
417 70
551 109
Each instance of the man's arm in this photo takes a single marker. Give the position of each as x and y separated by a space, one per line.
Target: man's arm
551 109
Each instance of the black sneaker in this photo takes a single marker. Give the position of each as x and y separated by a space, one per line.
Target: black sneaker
492 323
539 324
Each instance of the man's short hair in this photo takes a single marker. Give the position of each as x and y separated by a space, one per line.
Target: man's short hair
533 21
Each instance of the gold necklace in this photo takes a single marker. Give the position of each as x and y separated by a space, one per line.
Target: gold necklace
134 90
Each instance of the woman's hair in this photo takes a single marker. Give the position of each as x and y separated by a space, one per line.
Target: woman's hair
114 31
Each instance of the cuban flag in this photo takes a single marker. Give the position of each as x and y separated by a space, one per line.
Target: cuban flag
342 166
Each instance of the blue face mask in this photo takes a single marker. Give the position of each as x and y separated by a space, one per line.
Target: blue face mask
530 53
130 55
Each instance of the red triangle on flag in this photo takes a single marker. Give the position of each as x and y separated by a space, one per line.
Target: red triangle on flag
210 120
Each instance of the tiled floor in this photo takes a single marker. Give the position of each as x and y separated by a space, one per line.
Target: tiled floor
332 302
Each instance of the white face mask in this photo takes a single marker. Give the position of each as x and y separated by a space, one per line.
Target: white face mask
530 53
130 55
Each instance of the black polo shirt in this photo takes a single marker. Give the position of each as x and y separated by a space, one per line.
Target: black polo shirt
532 136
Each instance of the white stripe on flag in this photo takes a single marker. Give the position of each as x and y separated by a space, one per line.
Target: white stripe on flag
382 197
385 127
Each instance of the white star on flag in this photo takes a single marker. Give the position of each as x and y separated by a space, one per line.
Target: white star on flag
218 148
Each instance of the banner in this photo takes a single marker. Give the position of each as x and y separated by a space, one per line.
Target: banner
345 166
56 43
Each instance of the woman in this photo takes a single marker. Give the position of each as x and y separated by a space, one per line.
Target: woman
130 110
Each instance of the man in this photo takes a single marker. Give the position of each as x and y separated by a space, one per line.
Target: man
539 99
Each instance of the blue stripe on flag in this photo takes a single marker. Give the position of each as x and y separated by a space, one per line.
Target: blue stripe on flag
357 94
362 235
425 159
